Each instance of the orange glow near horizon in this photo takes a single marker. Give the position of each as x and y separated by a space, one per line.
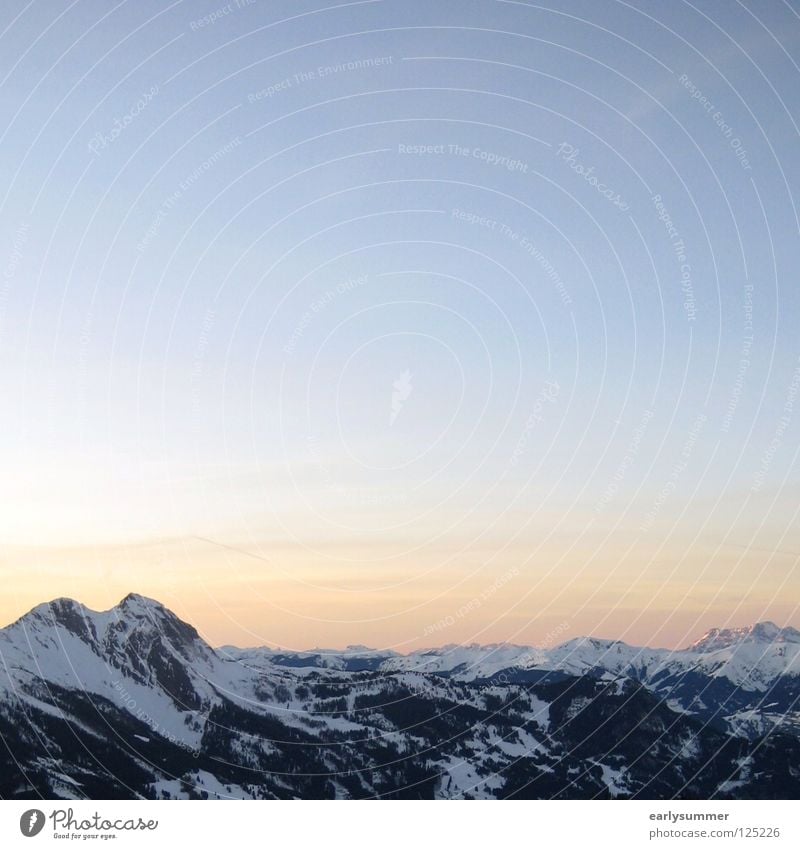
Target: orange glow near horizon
296 601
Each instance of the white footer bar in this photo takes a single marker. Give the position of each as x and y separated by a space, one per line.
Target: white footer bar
330 825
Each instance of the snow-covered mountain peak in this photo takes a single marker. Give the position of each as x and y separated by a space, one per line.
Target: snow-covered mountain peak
136 603
79 619
147 615
593 643
771 632
59 614
761 632
135 607
137 650
57 609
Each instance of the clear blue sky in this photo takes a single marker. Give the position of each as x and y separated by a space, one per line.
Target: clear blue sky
403 296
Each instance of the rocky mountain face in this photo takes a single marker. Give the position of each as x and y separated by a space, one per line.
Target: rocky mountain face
132 703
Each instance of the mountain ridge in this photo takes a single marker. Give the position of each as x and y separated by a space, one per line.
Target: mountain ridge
133 703
765 630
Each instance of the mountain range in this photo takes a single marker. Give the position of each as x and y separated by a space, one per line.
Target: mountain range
132 703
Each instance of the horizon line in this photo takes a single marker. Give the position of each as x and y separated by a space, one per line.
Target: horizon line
359 648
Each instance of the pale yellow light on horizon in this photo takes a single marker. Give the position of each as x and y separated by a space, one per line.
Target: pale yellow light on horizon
297 600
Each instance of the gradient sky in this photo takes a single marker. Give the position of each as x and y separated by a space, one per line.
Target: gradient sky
403 323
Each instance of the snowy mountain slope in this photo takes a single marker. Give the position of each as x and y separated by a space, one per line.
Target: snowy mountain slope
466 662
352 659
748 657
751 657
131 703
139 656
746 679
